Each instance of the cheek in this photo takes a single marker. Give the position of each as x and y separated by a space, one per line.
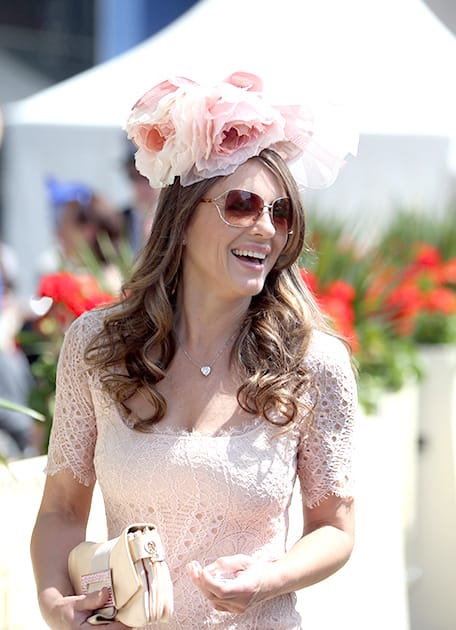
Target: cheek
280 243
206 232
278 249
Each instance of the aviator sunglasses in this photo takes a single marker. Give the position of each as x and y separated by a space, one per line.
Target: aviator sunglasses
241 208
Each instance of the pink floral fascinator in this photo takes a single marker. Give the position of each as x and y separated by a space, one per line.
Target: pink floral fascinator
193 131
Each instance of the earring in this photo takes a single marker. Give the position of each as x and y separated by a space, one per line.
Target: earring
184 242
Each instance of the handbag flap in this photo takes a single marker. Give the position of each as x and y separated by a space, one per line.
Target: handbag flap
94 565
124 576
86 575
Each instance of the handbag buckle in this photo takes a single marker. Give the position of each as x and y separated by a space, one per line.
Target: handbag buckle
151 549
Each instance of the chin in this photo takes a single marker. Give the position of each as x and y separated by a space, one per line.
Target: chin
253 289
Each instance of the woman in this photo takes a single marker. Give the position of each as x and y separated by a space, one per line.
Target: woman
198 400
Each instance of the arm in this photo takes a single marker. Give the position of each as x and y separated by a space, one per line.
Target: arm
323 549
63 514
61 525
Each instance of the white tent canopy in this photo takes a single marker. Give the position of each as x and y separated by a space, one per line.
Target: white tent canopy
392 60
390 63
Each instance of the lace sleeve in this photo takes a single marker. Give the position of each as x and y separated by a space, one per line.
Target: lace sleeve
325 454
73 434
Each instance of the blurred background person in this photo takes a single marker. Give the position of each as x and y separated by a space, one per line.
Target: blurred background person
139 215
82 219
84 259
18 434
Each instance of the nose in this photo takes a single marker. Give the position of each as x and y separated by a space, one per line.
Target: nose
265 223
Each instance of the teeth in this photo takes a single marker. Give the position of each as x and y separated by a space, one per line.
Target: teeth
250 254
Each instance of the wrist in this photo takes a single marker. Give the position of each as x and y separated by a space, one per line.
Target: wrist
48 599
273 582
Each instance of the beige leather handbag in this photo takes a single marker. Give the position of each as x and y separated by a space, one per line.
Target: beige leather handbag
133 568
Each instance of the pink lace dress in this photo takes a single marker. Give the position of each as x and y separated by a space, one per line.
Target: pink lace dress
210 495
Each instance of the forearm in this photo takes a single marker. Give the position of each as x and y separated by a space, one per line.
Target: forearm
54 535
316 556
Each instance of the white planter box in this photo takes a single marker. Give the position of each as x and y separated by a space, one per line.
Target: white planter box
371 590
432 595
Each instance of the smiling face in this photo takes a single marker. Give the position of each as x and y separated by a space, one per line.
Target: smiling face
233 262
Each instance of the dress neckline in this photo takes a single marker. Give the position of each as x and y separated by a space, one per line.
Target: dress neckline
181 432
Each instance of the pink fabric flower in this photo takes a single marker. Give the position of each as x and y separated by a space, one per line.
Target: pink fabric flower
196 132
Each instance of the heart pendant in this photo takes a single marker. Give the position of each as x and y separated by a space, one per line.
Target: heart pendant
205 370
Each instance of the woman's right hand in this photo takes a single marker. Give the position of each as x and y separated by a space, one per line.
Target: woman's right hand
73 612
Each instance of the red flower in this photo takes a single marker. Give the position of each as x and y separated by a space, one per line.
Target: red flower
310 279
342 291
449 272
342 314
426 266
75 293
441 300
402 306
424 287
336 301
427 256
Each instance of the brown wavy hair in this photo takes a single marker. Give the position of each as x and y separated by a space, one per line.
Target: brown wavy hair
137 342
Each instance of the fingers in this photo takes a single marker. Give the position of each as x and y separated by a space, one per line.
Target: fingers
231 583
210 580
214 587
194 569
92 601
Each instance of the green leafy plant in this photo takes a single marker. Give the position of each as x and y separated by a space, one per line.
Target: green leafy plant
420 277
411 226
347 279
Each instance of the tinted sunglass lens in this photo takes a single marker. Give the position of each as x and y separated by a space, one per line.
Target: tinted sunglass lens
242 207
282 214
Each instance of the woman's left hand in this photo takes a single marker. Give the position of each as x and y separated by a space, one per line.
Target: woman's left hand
231 583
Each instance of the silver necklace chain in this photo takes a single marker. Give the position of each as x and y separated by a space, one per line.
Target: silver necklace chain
207 368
